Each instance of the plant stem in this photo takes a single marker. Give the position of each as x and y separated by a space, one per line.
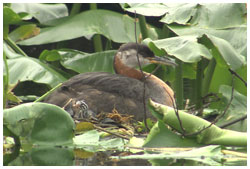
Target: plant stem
165 32
5 80
96 38
97 43
14 46
108 45
208 76
48 93
178 83
199 77
75 9
93 6
143 26
229 138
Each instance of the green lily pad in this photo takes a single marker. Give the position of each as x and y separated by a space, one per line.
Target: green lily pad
91 141
40 123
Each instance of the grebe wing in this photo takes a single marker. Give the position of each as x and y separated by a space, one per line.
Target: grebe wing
102 92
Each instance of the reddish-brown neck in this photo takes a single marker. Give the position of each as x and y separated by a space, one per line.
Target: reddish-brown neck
162 90
167 92
122 69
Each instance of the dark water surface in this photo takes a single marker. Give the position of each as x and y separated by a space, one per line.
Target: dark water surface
60 156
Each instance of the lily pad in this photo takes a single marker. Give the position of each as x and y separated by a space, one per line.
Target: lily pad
40 123
209 155
92 142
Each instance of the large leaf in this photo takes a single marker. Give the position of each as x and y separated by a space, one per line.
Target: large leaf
226 21
9 17
236 36
238 108
220 15
82 62
31 69
238 84
184 48
40 123
146 9
226 57
202 15
223 52
209 15
10 53
233 59
42 12
223 77
179 13
176 12
24 32
161 136
187 49
114 26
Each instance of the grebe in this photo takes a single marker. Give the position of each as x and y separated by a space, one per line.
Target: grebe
102 92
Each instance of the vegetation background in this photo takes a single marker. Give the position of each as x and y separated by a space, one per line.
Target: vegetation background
46 44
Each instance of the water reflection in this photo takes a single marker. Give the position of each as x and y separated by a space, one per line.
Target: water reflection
103 159
44 156
58 156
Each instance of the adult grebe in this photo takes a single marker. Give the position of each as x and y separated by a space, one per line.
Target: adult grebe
102 92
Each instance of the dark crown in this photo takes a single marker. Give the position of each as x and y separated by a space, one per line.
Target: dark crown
142 49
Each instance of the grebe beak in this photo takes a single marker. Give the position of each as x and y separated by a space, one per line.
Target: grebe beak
162 60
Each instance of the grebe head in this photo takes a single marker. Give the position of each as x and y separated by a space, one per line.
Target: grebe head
127 55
